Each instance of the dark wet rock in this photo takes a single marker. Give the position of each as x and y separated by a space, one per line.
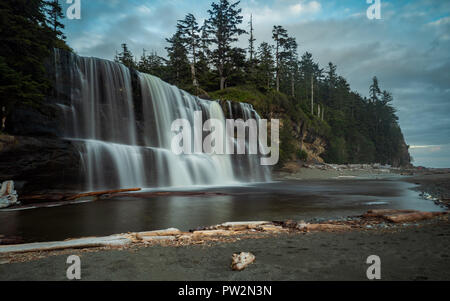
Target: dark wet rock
37 162
42 120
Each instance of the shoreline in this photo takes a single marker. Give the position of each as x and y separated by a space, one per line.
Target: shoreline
417 251
376 219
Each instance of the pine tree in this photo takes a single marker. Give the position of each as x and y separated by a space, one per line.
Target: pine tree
190 35
126 57
374 90
151 64
223 22
54 13
289 58
266 64
310 74
178 61
251 41
279 35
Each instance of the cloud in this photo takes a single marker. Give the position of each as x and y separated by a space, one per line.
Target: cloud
304 7
440 22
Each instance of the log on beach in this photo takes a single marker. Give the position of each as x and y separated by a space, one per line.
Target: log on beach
55 198
99 193
402 216
411 217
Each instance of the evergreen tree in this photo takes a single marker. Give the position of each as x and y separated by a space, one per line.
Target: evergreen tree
54 14
126 57
190 34
152 64
178 63
266 64
223 22
374 90
251 41
279 35
289 58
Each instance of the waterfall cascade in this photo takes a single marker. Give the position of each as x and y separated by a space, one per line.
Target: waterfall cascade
122 121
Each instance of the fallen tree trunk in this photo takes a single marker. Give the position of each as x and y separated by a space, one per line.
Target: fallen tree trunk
384 212
98 193
411 217
326 227
81 243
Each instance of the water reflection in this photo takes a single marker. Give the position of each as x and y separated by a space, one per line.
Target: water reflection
270 201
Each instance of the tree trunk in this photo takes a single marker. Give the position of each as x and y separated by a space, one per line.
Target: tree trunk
292 86
278 69
312 95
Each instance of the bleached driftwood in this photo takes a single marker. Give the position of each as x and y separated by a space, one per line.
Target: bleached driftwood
326 227
8 196
90 242
166 232
241 261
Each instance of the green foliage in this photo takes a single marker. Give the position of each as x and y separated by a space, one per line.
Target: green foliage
287 142
29 30
337 152
125 57
302 155
223 30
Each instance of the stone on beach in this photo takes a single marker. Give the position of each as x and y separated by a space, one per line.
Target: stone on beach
8 196
242 260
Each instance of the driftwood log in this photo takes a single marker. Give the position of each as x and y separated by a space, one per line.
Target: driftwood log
98 193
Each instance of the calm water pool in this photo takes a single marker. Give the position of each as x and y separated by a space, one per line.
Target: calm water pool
295 200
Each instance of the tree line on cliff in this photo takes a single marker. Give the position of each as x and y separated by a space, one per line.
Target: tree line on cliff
205 59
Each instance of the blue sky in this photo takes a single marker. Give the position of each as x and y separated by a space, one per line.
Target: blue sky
408 48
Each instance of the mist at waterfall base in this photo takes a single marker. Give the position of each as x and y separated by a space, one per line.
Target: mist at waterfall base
121 120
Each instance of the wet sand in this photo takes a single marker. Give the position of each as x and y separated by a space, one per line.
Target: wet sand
435 183
411 253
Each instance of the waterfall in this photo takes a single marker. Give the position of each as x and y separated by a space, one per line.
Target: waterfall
121 120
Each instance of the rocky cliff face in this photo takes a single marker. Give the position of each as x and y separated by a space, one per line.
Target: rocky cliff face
39 163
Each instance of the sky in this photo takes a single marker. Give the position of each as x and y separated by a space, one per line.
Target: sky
407 48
